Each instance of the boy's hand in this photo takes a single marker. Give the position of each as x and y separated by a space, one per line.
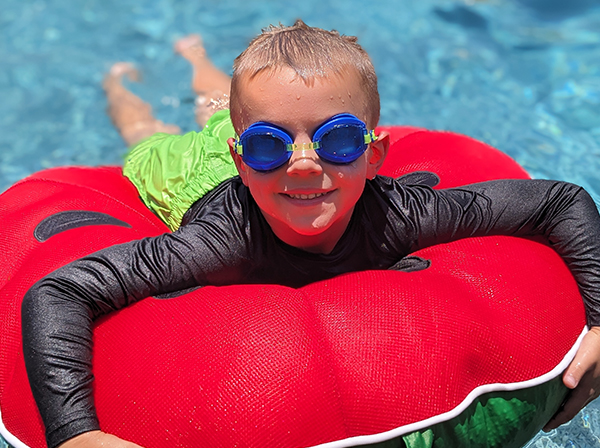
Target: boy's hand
97 439
583 377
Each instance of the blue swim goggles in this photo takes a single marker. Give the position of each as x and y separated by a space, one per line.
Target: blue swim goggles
341 140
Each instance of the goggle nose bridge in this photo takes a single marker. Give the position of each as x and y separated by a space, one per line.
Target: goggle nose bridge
369 137
302 146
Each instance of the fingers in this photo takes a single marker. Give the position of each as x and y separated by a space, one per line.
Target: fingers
575 372
586 361
97 439
582 377
569 409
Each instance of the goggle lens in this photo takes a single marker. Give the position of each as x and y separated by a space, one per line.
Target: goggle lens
264 150
343 144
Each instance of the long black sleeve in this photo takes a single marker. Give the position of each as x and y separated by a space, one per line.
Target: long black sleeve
568 217
563 214
59 310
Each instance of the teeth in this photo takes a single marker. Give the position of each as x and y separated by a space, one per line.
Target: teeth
306 196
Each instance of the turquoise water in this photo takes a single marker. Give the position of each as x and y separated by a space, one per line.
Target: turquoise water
522 75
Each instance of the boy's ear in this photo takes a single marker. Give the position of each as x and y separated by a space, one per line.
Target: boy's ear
239 163
379 150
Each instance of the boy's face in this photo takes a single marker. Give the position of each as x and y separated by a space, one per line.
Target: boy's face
307 202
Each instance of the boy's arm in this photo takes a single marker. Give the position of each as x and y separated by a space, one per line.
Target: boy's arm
567 217
563 214
57 317
59 310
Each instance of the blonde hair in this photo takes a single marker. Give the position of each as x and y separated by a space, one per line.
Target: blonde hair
312 53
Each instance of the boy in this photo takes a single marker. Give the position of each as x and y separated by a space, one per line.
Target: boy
307 205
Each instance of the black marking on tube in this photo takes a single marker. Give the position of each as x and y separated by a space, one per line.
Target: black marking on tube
72 219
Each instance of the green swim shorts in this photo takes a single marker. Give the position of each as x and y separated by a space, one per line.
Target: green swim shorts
171 172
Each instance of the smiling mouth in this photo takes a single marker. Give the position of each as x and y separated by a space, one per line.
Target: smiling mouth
306 197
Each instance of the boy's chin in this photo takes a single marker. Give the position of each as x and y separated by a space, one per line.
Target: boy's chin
316 236
316 232
312 229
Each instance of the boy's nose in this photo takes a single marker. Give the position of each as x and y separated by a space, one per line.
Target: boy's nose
304 162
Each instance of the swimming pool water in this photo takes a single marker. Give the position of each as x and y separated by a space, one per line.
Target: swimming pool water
522 75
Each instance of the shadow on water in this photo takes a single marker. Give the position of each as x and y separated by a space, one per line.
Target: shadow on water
559 9
463 16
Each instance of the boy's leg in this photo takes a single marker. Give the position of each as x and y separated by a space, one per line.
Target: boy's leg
130 114
209 83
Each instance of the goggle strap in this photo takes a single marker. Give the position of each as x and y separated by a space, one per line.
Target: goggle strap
237 147
370 137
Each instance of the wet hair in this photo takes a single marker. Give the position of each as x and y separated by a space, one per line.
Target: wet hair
312 53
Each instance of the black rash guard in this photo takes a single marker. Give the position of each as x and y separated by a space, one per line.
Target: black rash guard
226 240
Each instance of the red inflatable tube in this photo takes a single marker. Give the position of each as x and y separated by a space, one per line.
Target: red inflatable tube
466 350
